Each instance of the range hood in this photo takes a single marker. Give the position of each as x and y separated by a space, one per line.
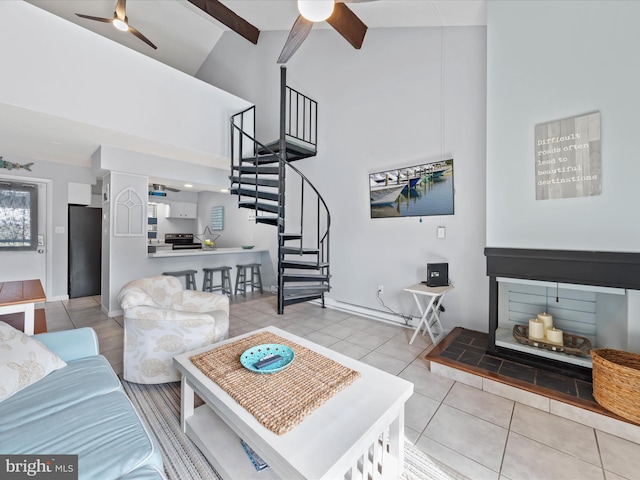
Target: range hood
158 190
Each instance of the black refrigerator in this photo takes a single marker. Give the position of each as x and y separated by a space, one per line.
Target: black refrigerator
85 251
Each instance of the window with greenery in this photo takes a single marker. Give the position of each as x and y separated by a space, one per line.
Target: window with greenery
18 216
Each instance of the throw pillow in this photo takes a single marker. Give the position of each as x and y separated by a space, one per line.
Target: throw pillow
23 361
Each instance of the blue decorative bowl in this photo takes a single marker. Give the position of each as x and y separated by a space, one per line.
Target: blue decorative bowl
257 353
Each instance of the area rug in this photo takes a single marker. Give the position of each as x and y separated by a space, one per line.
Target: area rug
282 401
159 405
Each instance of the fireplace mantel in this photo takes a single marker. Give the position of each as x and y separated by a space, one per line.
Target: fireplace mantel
602 269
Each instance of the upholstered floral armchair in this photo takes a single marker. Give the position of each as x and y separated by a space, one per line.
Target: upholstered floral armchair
162 320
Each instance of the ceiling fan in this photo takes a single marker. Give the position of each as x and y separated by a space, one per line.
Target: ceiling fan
337 14
121 22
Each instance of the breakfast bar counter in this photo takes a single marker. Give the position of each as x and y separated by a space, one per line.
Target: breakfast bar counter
167 260
214 251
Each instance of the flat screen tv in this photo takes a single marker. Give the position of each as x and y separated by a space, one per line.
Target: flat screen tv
418 191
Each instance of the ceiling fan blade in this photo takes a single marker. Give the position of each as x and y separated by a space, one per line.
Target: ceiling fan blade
299 32
229 18
347 24
142 37
97 19
121 9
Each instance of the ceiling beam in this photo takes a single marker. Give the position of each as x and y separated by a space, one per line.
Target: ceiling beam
229 18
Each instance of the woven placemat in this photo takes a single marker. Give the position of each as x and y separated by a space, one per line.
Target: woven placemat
279 401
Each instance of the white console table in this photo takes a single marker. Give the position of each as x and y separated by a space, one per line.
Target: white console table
429 319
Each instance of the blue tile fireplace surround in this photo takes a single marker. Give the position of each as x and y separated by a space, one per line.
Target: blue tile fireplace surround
594 272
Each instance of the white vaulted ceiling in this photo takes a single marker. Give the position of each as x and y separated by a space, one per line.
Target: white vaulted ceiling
185 35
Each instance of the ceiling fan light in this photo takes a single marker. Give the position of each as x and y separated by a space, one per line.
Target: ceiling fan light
120 25
315 10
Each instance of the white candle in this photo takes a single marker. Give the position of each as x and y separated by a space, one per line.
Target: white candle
536 329
554 335
547 319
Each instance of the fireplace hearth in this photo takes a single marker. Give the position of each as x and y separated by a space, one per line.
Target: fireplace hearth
594 294
466 350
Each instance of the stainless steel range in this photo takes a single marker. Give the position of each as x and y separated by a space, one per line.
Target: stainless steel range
182 241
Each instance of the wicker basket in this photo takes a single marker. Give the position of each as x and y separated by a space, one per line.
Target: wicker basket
616 382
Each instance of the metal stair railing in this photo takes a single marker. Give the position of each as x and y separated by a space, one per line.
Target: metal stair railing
298 139
321 211
301 117
305 181
240 118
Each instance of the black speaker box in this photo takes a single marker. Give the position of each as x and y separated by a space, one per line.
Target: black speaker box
437 274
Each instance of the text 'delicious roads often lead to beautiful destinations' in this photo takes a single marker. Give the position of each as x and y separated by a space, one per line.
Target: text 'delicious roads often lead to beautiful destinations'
567 158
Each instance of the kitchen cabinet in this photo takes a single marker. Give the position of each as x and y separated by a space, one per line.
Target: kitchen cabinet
182 210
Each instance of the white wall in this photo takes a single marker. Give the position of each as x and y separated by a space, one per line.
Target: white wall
109 158
61 69
547 61
124 258
380 107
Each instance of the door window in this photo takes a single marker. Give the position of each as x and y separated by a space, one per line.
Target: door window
18 216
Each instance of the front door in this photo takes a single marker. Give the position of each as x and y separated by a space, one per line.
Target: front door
27 262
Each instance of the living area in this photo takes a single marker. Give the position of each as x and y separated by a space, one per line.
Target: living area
465 431
472 93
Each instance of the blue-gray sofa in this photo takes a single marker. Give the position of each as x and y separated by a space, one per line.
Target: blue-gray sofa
80 409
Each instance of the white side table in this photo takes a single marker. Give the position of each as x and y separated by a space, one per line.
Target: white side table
430 318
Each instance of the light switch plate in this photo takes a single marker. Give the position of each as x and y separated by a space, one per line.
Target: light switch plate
441 232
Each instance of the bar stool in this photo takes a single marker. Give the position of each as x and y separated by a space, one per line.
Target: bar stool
225 280
189 276
254 281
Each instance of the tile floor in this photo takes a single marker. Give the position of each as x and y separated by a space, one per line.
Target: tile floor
480 434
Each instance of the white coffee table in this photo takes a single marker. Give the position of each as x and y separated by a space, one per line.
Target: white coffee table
328 444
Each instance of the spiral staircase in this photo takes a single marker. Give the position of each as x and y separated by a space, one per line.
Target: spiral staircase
265 181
